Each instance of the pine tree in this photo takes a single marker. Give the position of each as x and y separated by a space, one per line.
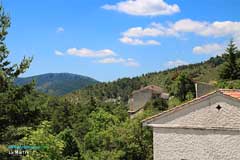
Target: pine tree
230 69
17 107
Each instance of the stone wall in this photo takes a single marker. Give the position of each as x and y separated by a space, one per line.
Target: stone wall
139 99
203 88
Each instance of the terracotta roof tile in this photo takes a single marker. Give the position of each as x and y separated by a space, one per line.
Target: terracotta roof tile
231 92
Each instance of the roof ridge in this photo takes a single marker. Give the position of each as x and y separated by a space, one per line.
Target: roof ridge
151 87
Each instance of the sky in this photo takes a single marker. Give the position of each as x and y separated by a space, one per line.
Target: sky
111 39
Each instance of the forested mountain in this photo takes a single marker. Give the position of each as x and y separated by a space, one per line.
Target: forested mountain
58 83
205 72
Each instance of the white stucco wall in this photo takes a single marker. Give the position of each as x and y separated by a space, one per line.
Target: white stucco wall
205 114
212 138
192 144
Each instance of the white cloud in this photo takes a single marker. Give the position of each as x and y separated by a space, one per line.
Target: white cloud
155 29
111 60
144 7
152 42
60 29
216 29
188 25
213 48
135 41
84 52
58 53
132 63
127 62
202 28
237 39
222 29
176 63
105 56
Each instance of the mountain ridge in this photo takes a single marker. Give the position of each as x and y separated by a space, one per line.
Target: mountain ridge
57 84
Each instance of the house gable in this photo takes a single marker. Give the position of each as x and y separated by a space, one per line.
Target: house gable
215 110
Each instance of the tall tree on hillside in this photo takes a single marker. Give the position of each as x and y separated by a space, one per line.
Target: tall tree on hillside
9 72
17 107
230 69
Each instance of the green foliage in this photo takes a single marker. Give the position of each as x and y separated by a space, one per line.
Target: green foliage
136 140
183 87
3 152
51 146
230 69
234 84
119 89
157 104
20 106
71 149
99 142
92 123
173 101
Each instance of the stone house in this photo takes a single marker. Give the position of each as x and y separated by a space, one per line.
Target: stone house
206 128
140 97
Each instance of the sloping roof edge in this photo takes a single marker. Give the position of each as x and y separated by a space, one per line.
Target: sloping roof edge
182 106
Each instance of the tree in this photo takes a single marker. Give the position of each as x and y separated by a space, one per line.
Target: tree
70 150
50 146
19 105
230 69
136 140
183 87
100 140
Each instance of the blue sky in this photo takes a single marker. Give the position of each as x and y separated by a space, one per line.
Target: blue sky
110 39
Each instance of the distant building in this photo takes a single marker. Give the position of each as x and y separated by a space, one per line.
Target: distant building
206 128
140 97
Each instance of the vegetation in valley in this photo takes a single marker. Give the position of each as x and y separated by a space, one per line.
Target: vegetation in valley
93 123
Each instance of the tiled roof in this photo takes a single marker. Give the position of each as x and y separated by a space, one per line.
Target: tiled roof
234 93
154 88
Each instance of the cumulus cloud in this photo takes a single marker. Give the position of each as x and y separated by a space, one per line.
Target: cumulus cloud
202 28
84 52
144 7
58 53
127 62
135 41
177 29
188 25
216 29
60 29
213 49
105 56
176 63
154 30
